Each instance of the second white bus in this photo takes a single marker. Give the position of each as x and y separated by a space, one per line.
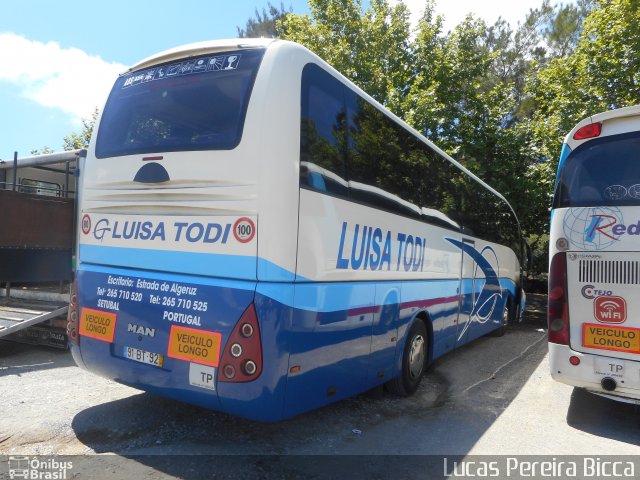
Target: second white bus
594 276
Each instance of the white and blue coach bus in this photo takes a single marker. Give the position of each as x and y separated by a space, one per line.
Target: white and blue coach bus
259 236
594 326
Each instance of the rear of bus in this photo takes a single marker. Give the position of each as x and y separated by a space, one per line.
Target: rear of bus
594 275
182 162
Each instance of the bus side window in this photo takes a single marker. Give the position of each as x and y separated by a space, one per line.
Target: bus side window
322 132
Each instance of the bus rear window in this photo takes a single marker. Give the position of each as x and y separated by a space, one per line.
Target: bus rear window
197 103
601 172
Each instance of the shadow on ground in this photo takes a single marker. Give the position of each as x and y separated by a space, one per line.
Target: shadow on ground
603 417
19 358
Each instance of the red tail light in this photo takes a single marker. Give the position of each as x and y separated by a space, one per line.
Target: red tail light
588 131
242 356
558 308
72 316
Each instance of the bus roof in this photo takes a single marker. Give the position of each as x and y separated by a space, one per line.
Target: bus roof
602 117
199 48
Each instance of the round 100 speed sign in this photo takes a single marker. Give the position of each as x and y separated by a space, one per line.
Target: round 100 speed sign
244 230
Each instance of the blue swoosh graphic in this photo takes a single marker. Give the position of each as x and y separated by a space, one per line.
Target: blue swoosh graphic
484 304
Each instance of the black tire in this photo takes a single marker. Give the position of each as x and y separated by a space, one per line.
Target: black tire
507 318
414 361
517 315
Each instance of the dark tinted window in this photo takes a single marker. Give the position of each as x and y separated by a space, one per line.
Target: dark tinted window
194 104
374 150
384 155
601 172
377 162
323 132
495 221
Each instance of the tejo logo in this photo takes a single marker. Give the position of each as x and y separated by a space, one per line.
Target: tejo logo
609 309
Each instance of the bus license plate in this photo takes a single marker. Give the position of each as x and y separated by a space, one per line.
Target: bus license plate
143 356
608 367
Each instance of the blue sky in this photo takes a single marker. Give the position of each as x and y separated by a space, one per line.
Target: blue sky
59 58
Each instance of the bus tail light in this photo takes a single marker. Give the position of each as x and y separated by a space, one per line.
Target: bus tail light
72 315
558 308
242 356
588 131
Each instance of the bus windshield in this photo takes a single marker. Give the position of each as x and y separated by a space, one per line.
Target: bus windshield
198 103
602 172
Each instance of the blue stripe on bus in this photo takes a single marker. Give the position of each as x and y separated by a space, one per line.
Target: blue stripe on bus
274 273
318 296
323 296
350 296
209 264
564 153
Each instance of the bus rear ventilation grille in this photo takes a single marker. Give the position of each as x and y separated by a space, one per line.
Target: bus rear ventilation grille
622 272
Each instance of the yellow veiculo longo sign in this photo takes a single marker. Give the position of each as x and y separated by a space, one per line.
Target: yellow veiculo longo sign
604 337
194 345
97 324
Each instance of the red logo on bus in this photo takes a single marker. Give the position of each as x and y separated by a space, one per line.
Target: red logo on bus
609 309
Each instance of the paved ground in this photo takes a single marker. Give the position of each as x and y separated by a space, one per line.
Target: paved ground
494 396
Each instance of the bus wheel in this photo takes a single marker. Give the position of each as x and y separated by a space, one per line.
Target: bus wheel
506 319
414 360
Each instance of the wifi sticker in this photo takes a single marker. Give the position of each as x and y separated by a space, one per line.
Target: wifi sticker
610 309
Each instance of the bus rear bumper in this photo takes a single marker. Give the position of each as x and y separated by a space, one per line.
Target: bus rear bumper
170 336
621 377
261 400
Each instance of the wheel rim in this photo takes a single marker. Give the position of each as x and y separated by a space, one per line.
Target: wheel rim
416 357
505 315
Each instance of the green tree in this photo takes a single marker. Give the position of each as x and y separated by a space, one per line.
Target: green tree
370 47
602 73
467 97
563 29
81 140
42 151
264 24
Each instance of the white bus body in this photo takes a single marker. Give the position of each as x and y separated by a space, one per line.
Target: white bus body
330 271
594 301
